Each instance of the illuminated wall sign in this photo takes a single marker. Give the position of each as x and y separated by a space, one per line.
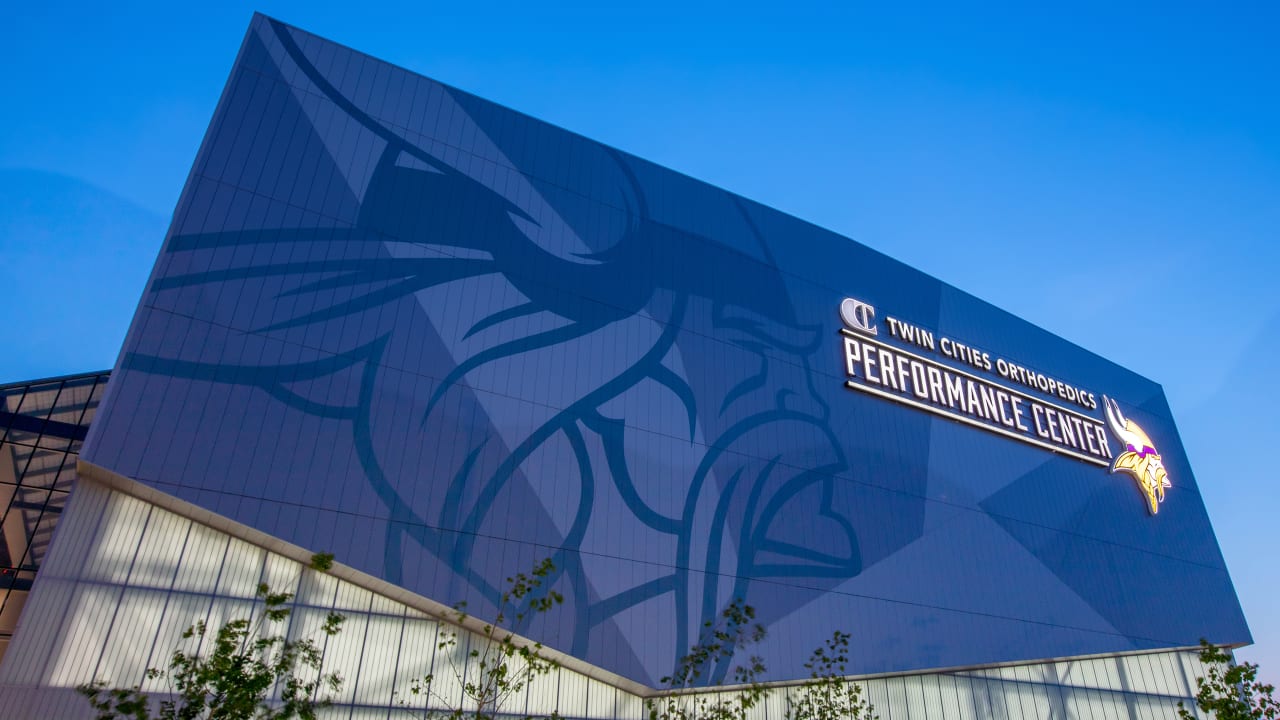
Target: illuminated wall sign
1139 458
912 378
936 374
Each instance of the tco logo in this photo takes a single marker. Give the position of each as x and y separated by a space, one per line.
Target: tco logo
859 316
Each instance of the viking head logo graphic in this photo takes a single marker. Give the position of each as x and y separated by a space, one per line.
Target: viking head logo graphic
1140 458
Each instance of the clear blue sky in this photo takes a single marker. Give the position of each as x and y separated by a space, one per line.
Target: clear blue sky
1109 173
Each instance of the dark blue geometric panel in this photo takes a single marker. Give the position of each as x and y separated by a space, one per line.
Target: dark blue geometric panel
444 341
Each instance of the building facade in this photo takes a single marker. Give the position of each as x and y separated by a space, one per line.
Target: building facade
445 341
42 426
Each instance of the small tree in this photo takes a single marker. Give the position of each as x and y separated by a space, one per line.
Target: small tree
497 665
1230 691
247 658
721 639
828 694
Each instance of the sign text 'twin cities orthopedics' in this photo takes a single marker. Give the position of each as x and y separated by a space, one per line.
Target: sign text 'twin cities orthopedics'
913 378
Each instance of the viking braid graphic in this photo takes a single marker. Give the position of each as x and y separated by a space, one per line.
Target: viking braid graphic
1140 458
507 371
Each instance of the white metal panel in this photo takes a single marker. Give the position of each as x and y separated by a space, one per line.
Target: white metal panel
74 534
913 689
1007 696
966 691
129 642
111 555
1186 668
1142 709
878 694
352 598
1049 673
241 569
573 694
159 550
1192 668
1173 675
337 712
39 633
222 610
931 694
1033 701
201 563
948 697
1161 707
369 713
181 612
601 699
1108 673
1163 675
1133 672
37 638
1089 676
387 606
997 703
305 624
544 693
378 668
20 703
630 707
416 651
317 589
1114 706
1058 707
774 706
1039 702
342 652
514 702
83 634
1089 704
281 574
1071 672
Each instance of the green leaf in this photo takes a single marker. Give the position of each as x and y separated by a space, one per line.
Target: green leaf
322 562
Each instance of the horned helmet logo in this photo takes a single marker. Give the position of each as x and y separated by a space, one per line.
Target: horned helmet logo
1140 458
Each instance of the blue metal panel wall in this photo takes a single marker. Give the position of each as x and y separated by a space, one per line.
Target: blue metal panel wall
445 340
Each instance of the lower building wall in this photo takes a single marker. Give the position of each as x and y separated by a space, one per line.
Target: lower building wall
124 578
